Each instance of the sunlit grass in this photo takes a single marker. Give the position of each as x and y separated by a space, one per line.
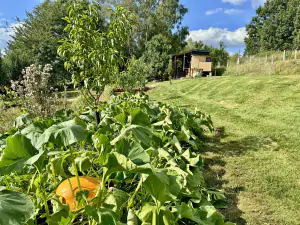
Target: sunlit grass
258 160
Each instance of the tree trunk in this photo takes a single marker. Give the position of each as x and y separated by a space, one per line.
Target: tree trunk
97 117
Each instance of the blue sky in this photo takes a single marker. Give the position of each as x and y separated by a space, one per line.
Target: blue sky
210 21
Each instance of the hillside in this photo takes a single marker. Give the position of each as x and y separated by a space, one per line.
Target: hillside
257 161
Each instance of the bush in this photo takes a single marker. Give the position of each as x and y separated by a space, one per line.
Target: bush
135 75
35 90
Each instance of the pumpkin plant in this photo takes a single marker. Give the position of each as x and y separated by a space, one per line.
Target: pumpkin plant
141 165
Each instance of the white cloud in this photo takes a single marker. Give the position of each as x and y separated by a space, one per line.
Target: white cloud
6 33
232 11
256 3
213 36
234 2
211 12
225 11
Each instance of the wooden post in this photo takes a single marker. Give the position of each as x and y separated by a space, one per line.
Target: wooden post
272 66
284 54
237 65
183 64
250 59
295 54
266 57
175 72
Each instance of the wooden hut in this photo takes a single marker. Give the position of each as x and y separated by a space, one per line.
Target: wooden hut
192 63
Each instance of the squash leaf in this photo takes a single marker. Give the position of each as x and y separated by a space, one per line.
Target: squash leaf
15 208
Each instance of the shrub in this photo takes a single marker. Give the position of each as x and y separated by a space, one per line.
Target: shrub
135 76
35 90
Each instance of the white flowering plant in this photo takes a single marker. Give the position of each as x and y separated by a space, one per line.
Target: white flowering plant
35 90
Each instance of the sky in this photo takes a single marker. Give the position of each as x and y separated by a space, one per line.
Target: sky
211 21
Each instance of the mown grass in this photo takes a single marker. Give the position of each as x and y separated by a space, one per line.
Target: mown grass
257 161
7 116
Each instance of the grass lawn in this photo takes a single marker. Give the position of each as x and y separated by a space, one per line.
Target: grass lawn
257 162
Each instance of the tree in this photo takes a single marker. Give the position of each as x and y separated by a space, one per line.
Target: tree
253 40
219 55
93 54
193 45
2 78
296 32
154 17
157 55
275 27
36 40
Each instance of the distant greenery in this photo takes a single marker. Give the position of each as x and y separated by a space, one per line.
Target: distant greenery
275 27
135 76
157 55
36 41
153 18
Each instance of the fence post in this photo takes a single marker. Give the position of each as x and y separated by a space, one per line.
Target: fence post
237 65
250 59
266 57
284 54
295 54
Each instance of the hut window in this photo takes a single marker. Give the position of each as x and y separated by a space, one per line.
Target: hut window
208 59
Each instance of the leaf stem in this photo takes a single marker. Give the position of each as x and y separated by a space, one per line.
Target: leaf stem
75 168
135 193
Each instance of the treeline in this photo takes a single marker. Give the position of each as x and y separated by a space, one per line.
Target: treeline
157 33
276 27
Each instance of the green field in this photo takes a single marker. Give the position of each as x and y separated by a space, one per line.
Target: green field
257 162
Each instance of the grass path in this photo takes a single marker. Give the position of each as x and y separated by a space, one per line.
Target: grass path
258 160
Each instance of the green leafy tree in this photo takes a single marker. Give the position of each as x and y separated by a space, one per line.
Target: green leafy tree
36 40
94 54
2 77
157 55
154 17
193 45
296 32
275 27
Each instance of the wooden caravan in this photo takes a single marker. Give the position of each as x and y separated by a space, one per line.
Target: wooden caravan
191 64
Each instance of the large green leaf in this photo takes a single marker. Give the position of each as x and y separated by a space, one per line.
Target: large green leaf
64 134
131 218
148 215
23 120
36 129
103 216
116 162
116 200
141 133
163 186
18 152
139 118
134 151
15 208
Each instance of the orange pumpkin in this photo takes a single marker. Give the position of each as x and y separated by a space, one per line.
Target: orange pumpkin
64 190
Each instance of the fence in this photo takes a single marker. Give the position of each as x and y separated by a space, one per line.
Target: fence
267 63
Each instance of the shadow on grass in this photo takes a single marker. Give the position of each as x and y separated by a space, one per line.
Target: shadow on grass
214 167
